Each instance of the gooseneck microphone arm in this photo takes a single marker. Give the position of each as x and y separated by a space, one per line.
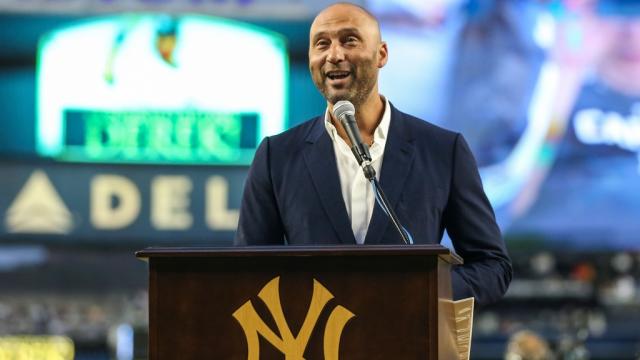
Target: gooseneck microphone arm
382 201
345 112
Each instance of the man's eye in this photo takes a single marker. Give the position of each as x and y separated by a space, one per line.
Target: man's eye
322 44
350 41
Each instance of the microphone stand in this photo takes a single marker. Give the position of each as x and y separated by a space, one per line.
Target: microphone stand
383 202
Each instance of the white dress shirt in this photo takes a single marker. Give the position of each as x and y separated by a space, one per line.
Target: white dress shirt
356 190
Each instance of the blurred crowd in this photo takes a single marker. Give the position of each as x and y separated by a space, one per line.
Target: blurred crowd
566 306
88 319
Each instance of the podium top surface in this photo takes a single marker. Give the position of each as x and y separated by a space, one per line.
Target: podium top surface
301 251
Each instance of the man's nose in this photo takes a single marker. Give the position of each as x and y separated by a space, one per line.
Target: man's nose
336 54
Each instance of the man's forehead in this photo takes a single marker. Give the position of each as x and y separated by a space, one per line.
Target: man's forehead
335 30
342 17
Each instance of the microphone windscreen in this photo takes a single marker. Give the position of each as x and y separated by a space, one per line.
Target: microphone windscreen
343 107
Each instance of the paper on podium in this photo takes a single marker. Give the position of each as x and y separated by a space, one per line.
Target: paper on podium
460 319
463 310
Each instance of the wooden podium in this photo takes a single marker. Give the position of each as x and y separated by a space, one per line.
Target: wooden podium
346 302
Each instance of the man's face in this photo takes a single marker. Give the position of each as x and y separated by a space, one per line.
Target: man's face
345 53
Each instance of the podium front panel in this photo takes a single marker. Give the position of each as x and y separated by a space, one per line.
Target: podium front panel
313 307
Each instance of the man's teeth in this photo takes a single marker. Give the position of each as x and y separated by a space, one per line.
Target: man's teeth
338 75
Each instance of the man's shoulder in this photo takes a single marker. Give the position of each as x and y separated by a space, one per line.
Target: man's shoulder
422 129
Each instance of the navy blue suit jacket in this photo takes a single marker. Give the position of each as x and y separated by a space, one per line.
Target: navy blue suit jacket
292 195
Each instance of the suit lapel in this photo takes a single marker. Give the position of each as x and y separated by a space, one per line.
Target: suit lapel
396 163
320 159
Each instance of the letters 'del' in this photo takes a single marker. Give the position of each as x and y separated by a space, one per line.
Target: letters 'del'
292 347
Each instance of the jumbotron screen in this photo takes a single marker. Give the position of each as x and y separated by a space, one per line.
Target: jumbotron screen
547 94
159 89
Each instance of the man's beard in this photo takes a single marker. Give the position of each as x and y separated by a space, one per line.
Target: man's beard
359 90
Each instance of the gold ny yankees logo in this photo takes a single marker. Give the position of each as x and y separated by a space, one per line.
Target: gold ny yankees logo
292 347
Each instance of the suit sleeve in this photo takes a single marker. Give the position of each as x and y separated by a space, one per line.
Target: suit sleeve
471 224
260 222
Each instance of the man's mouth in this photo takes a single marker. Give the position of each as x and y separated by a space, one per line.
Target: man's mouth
337 75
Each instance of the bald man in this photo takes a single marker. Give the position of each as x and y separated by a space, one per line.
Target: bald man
306 188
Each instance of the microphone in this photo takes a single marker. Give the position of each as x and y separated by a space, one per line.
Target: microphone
345 112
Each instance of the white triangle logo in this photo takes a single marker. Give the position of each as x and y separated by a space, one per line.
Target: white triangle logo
38 209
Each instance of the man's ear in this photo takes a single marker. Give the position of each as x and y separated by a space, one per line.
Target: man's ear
383 54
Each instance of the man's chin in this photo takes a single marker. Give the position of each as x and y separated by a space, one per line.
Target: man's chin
333 97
